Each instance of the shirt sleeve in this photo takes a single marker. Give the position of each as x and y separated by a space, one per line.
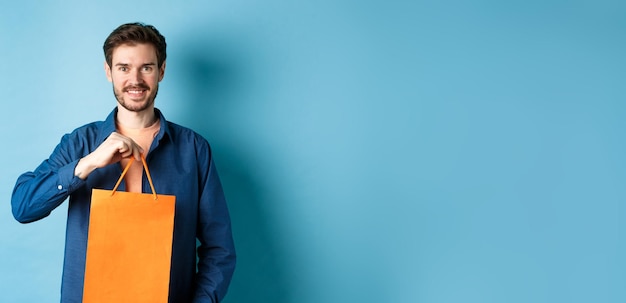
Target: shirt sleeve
37 193
216 252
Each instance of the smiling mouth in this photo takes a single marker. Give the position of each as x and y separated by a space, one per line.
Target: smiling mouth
136 91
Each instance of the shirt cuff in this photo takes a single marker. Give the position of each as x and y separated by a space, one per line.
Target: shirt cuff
67 180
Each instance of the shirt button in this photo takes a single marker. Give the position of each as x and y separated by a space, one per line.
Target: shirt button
60 187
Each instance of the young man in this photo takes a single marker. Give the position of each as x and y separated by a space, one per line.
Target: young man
180 162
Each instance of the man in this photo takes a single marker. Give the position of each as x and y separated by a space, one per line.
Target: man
180 161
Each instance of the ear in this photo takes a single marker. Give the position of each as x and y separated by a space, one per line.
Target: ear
162 71
107 70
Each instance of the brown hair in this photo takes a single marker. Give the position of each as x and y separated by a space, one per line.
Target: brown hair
133 33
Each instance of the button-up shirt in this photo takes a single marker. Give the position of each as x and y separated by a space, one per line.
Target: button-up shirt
181 164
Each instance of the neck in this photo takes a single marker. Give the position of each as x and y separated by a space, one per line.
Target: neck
140 119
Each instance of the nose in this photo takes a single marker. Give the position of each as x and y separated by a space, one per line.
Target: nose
135 77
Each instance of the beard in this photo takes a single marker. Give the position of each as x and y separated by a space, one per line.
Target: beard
136 106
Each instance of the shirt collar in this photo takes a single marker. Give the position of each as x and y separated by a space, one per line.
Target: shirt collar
108 126
164 132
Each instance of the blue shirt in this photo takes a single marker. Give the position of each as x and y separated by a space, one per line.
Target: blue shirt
181 164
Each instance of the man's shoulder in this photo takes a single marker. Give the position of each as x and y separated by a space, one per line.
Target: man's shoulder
183 133
94 128
89 128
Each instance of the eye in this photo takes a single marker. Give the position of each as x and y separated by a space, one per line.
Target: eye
123 68
147 68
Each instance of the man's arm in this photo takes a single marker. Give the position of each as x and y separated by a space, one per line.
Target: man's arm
217 251
38 193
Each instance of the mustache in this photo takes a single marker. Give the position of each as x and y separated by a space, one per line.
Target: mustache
136 87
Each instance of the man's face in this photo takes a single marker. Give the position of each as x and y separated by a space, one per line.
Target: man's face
135 76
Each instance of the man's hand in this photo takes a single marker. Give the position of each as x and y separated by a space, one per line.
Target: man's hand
115 148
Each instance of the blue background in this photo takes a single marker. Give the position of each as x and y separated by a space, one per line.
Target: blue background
371 151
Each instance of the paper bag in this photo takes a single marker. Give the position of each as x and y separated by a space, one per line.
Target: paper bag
129 246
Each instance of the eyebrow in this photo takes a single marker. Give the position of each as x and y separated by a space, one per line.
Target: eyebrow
127 64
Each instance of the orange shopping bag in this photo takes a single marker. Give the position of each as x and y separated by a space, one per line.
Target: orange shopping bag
129 246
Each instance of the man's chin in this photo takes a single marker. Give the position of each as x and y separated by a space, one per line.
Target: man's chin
135 106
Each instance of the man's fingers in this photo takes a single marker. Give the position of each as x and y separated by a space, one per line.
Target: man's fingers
137 151
127 153
128 147
137 154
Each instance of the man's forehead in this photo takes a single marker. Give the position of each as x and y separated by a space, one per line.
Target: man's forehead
130 52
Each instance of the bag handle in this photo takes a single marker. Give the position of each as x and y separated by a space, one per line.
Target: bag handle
145 166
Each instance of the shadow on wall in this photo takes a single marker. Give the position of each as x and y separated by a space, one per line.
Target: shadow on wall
212 73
